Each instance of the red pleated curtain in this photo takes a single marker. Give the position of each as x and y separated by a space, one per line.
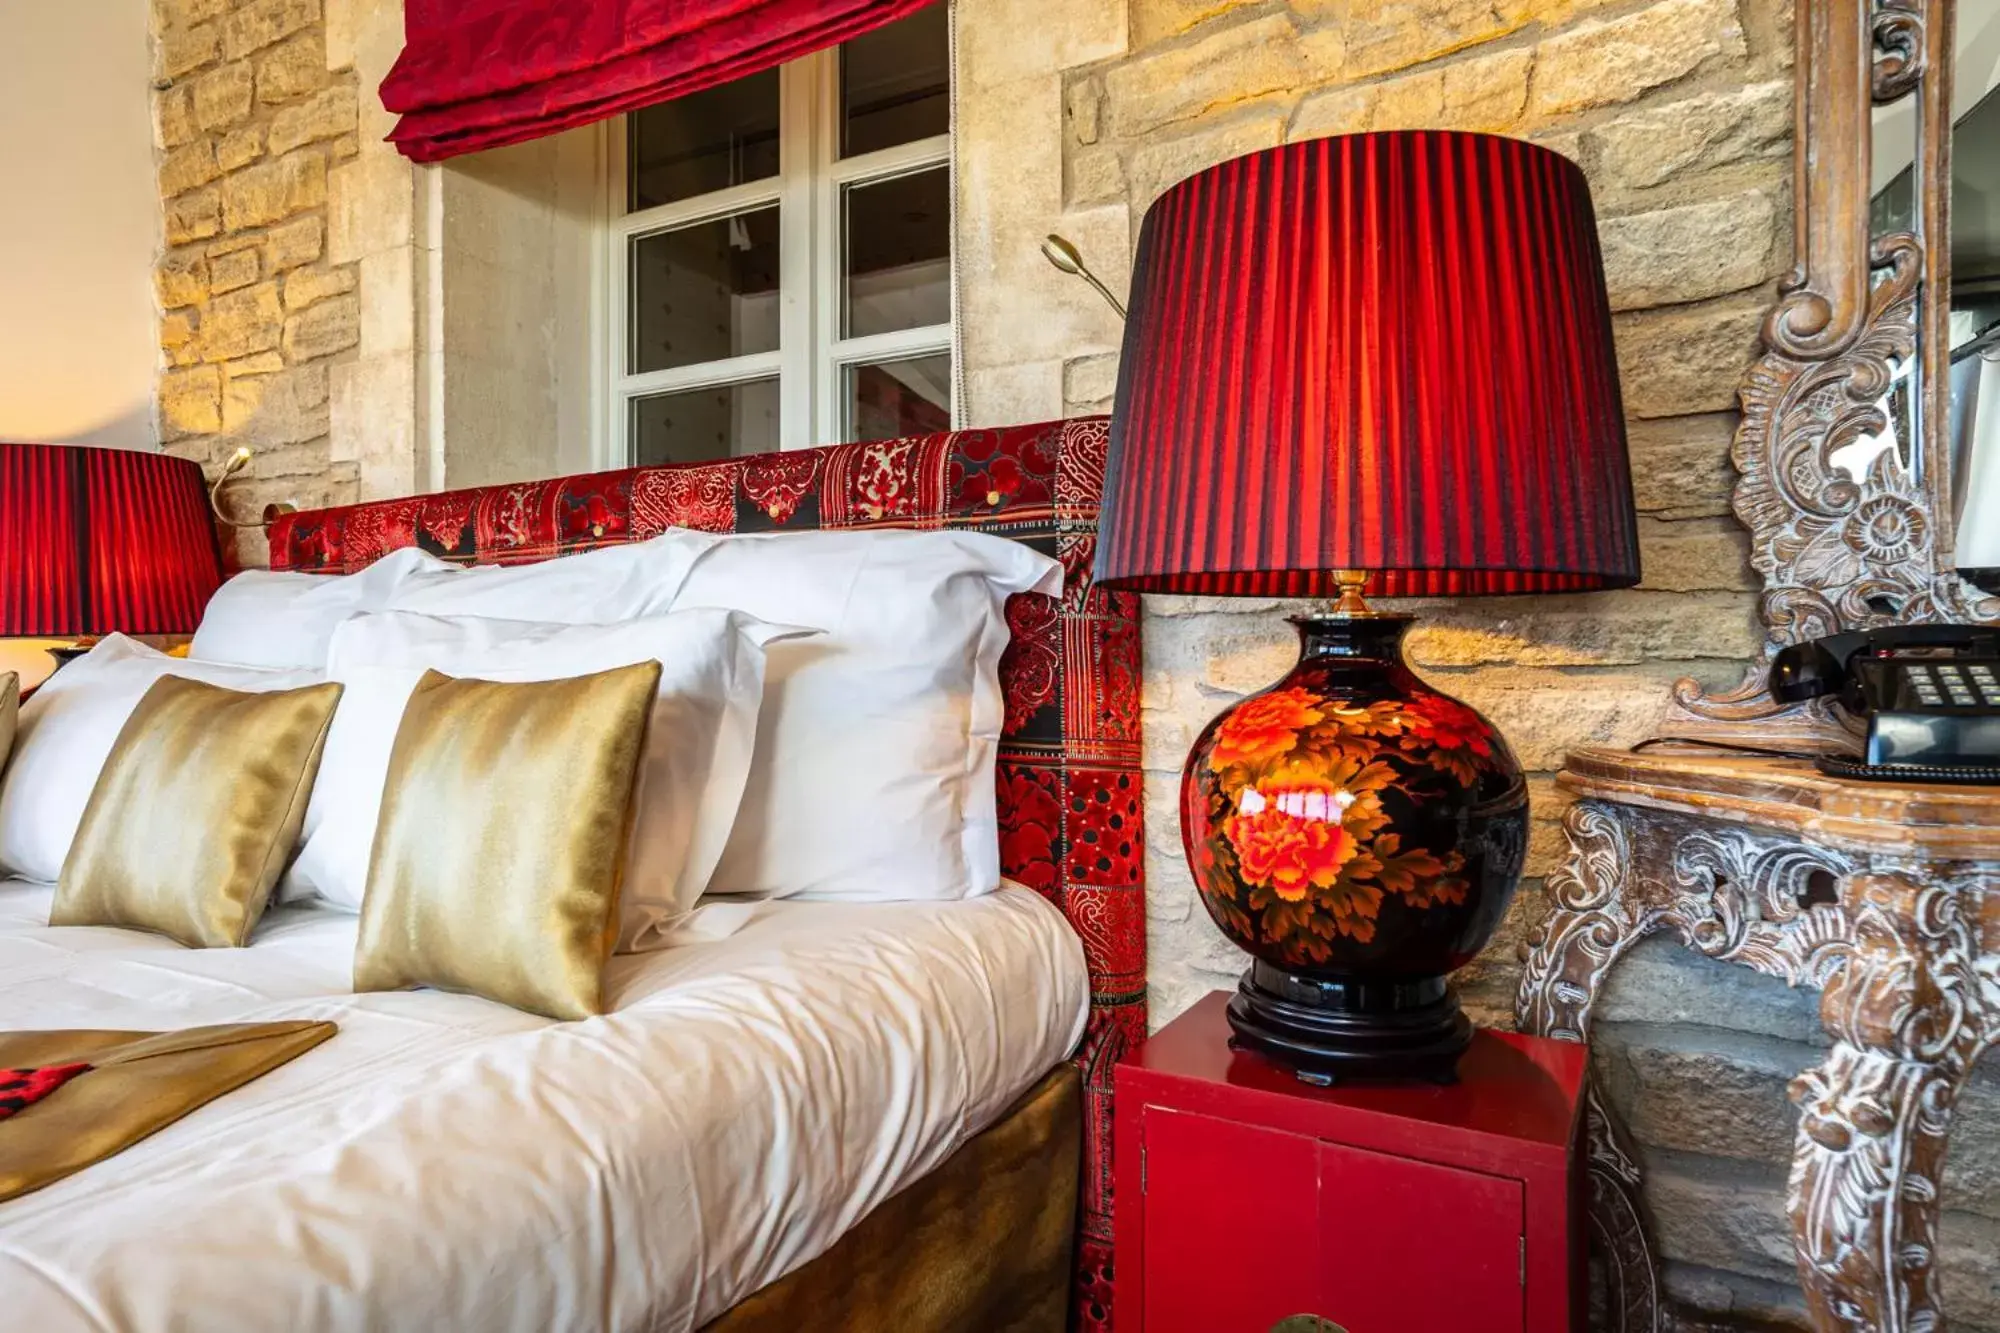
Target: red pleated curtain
481 73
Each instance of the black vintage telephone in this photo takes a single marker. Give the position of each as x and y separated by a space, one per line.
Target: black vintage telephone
1929 693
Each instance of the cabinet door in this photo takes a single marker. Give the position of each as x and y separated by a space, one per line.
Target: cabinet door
1413 1247
1232 1235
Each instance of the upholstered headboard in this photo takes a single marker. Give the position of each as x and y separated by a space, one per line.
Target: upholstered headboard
1070 803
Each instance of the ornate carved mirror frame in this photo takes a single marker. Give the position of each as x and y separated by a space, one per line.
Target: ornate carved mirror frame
1837 553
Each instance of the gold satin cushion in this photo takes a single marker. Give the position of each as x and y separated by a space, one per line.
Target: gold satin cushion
497 855
196 811
10 714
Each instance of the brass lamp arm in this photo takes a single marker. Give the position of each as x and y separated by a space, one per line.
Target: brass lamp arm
1065 256
237 462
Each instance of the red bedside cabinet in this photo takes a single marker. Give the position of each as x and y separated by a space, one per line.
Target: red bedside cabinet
1245 1195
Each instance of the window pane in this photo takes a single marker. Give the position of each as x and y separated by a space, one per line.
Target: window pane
700 425
705 292
702 142
891 399
898 247
895 83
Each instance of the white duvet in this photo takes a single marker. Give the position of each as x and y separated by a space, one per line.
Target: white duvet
445 1163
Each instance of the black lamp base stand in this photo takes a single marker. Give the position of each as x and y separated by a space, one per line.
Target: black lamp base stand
1332 1031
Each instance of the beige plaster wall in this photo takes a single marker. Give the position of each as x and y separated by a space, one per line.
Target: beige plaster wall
79 224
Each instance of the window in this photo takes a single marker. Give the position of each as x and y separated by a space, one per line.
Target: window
781 255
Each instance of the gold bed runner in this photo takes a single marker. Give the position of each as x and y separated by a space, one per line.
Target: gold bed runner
138 1084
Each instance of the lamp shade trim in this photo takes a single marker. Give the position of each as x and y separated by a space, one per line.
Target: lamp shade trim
1388 352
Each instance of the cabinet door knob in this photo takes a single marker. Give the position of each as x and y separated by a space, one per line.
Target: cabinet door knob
1306 1323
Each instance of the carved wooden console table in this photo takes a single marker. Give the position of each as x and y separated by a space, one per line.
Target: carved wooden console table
1884 898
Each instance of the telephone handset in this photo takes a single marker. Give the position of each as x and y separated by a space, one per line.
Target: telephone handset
1930 695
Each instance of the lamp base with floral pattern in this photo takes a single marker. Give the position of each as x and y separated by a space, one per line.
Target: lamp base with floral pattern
1360 835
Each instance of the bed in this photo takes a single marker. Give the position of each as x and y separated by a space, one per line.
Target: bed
741 1078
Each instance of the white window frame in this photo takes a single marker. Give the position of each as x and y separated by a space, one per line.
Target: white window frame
812 359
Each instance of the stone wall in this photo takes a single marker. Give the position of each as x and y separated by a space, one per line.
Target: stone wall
249 121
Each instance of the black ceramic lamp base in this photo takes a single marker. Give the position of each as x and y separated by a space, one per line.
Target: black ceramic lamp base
1359 835
1351 1030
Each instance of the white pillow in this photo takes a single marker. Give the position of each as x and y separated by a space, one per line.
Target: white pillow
594 588
874 774
691 777
273 618
66 734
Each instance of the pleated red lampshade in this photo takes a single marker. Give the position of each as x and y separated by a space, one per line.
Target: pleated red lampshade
1383 352
94 541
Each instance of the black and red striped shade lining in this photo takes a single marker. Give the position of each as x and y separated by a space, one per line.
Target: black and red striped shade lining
1388 352
94 541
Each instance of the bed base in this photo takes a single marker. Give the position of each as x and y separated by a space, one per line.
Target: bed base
982 1243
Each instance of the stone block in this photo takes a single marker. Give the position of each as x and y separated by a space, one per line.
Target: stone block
1697 555
1488 93
181 278
326 115
1650 147
1410 102
1601 62
370 207
222 96
256 25
1587 630
1660 981
186 13
1083 109
273 190
193 217
1233 65
1686 359
236 269
1022 39
1094 175
270 411
260 363
1089 383
242 322
1681 467
1335 111
179 50
293 69
1721 1218
191 400
1157 20
173 116
239 148
1545 712
307 286
294 243
188 167
1012 395
333 325
177 330
1387 35
1689 253
1159 163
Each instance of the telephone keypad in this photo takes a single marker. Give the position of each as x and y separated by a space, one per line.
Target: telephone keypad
1970 685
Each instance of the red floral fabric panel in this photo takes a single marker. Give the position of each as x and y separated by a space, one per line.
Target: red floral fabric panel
480 73
22 1088
1070 803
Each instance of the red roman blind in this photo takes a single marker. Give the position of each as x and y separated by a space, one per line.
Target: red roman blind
481 73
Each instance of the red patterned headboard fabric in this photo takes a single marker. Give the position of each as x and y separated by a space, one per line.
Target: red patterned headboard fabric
1070 802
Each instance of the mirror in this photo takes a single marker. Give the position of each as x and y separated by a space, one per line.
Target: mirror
1966 441
1972 438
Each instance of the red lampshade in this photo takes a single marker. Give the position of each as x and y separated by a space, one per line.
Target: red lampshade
1385 352
100 540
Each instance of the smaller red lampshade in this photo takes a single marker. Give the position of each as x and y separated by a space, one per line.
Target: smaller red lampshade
1381 352
96 541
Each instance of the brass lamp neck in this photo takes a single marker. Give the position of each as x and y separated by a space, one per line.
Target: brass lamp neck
1351 603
